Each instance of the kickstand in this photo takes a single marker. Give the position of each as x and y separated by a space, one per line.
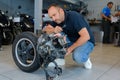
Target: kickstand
48 77
57 71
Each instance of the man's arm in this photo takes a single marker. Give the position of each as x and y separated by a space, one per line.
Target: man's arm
105 17
50 29
84 37
117 14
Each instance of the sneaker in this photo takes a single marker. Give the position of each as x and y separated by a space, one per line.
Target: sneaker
88 64
1 49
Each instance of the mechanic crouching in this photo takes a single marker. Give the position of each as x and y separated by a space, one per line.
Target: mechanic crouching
77 30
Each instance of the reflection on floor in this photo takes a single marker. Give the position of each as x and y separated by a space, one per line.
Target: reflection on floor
105 59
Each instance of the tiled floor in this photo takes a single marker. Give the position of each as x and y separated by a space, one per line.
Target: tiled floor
105 59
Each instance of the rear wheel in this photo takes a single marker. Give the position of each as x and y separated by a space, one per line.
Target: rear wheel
24 52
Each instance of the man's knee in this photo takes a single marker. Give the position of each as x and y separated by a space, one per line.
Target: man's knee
81 54
80 58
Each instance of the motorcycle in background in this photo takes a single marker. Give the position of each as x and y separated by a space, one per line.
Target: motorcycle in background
27 22
14 25
7 36
24 21
8 28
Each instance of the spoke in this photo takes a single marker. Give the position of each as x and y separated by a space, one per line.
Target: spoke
29 47
19 51
24 59
23 45
30 51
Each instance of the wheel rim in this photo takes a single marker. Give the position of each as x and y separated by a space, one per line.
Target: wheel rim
25 52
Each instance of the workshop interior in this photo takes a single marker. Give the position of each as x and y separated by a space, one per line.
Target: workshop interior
27 52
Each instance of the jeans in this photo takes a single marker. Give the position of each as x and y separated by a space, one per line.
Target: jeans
106 29
81 53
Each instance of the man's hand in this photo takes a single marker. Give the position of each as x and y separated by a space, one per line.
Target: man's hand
57 35
58 29
109 19
49 29
69 51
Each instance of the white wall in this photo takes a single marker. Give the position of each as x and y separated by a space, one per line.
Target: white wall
95 7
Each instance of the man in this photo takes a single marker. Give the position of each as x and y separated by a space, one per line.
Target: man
117 26
77 30
106 12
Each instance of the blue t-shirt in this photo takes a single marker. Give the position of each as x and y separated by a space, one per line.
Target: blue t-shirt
106 11
72 24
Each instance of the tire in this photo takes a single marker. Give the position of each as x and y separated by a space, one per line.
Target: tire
24 52
8 39
17 30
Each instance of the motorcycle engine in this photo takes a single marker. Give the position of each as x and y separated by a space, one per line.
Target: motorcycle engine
51 47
